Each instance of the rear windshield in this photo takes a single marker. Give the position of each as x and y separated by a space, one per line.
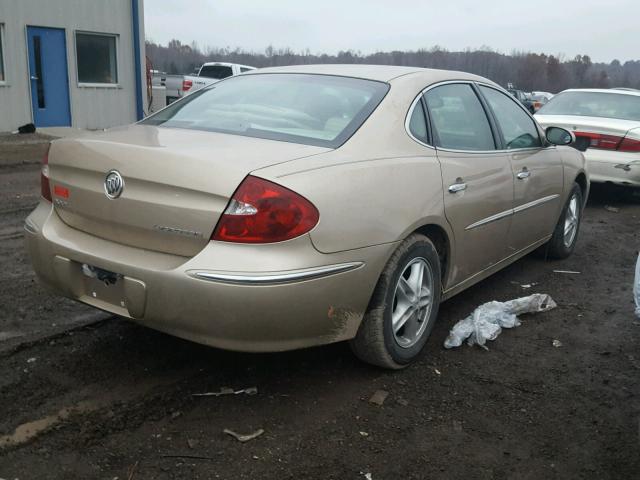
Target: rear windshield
594 104
215 71
320 110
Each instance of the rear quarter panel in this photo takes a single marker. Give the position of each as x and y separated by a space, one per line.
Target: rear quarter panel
378 187
371 202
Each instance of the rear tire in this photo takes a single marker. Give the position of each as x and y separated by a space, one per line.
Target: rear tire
403 308
565 235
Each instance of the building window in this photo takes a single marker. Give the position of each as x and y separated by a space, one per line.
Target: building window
96 58
2 75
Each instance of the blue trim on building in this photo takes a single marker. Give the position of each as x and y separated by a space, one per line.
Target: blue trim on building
135 14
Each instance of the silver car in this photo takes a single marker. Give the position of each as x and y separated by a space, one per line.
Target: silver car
609 121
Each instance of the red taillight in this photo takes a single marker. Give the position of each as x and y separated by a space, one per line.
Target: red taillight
60 191
265 212
629 145
186 85
611 142
45 189
601 140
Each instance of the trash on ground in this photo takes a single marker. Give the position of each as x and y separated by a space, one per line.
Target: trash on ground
611 209
636 287
31 360
364 434
528 285
191 443
556 343
227 391
438 372
244 438
487 321
570 272
379 397
27 128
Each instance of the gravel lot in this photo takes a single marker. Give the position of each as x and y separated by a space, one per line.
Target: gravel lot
84 395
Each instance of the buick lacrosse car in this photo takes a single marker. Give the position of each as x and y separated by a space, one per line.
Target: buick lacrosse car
609 121
300 206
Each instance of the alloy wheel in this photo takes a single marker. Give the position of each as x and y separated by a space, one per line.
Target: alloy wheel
412 302
571 221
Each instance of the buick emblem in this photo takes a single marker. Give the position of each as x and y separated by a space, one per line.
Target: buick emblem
113 184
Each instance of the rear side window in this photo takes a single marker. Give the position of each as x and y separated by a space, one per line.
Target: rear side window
518 128
216 71
418 123
245 69
458 118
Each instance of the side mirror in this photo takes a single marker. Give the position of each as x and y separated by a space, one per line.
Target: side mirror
559 136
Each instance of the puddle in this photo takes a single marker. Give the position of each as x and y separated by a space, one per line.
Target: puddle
27 431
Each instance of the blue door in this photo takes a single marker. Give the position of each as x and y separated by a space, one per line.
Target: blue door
49 79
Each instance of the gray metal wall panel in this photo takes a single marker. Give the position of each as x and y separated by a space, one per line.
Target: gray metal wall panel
91 107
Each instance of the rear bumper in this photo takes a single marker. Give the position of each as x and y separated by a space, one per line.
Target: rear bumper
613 167
239 297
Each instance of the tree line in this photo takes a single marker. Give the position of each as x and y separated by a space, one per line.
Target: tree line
525 70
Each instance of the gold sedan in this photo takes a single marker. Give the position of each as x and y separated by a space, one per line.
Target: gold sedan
299 206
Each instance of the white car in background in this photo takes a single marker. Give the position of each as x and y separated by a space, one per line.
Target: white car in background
609 120
539 99
212 72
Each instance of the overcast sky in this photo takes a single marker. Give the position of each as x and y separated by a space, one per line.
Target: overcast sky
602 29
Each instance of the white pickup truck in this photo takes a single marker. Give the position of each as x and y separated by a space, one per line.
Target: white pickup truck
212 72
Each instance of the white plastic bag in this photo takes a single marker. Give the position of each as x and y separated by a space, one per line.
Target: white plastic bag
636 287
487 321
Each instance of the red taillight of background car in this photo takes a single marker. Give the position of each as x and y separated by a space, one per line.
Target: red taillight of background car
601 140
611 142
186 85
45 188
265 212
629 145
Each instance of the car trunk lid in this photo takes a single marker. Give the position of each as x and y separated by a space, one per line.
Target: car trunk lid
177 182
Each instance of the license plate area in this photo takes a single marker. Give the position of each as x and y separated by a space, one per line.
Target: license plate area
103 285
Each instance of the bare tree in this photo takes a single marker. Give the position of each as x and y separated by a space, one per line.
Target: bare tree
529 71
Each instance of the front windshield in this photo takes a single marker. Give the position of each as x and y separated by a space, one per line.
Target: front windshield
594 104
318 110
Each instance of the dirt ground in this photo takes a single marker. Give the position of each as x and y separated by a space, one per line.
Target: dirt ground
81 399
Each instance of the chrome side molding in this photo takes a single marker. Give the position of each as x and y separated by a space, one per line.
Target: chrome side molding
518 209
535 203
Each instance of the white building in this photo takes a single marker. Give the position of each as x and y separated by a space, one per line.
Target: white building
73 63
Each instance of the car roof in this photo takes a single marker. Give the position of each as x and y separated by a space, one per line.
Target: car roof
383 73
225 64
605 90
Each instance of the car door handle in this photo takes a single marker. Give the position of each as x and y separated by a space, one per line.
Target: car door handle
459 186
525 173
33 77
